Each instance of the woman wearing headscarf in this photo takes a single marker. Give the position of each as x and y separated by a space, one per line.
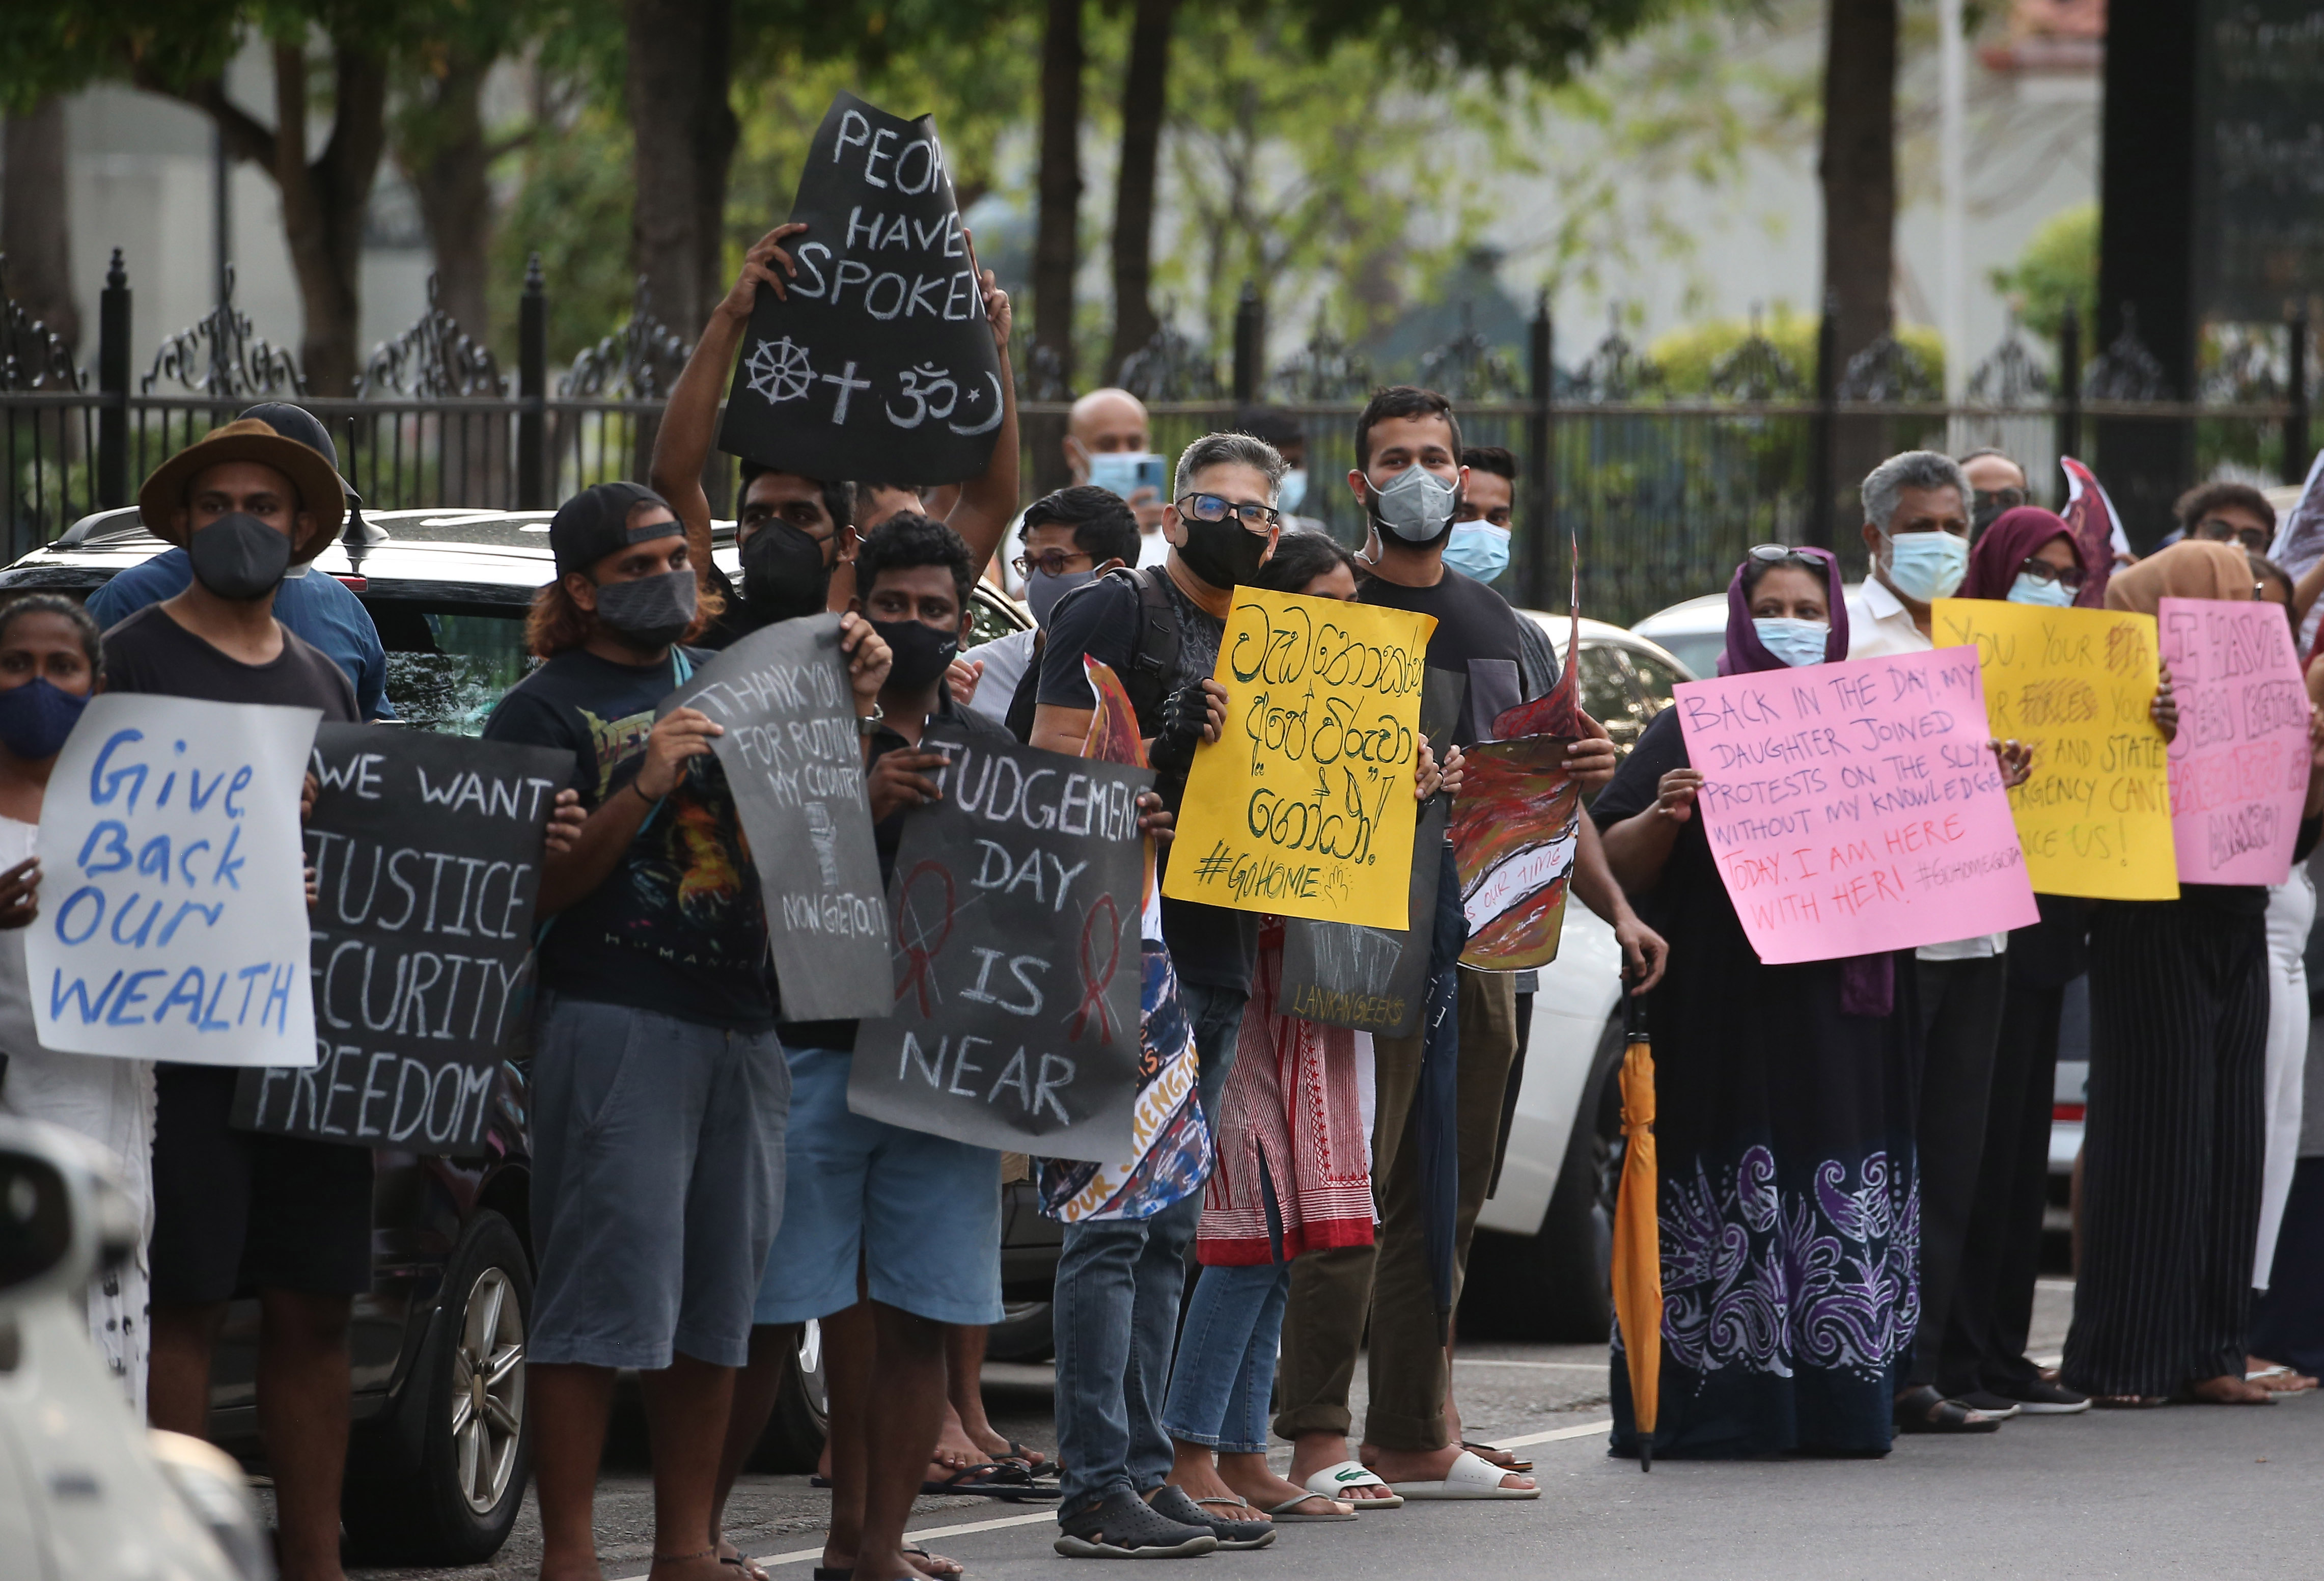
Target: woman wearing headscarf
2025 556
2172 1154
1787 1203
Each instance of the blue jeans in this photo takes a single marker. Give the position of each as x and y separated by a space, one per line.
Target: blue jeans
1117 1308
1225 1373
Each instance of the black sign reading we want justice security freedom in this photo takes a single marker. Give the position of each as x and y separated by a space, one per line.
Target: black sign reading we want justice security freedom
878 361
426 856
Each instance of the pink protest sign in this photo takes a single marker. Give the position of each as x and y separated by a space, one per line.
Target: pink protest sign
1854 807
2239 765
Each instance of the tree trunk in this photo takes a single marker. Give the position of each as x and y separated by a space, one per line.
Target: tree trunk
1057 248
676 85
441 147
1145 94
35 230
1858 167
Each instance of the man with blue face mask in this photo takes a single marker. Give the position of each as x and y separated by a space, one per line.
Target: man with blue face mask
1478 546
1916 528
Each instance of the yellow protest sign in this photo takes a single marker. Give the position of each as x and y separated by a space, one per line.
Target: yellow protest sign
2075 685
1303 807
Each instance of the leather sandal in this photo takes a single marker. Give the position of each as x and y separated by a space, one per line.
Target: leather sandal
1924 1411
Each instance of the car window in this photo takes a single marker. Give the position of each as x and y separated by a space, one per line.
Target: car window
1698 650
1656 680
446 668
1607 696
989 618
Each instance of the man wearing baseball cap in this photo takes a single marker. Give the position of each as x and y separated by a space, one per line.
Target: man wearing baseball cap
659 1090
235 1210
319 608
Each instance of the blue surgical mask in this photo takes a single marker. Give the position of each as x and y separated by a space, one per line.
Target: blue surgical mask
2032 589
1479 549
36 717
1795 642
1925 567
1293 491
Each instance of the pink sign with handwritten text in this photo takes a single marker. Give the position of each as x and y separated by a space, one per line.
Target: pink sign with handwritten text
2239 765
1856 807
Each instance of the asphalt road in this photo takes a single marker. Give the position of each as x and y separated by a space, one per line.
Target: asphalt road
2183 1491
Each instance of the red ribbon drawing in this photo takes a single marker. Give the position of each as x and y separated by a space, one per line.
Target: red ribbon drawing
1093 985
917 951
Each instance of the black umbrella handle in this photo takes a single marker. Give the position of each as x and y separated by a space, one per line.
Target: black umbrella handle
1633 1009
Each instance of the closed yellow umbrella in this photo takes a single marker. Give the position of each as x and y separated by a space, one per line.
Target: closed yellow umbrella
1638 1238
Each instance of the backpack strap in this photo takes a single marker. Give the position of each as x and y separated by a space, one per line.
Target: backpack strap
1154 646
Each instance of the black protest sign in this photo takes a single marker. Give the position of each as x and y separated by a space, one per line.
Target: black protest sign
878 361
1014 999
427 856
1376 979
793 756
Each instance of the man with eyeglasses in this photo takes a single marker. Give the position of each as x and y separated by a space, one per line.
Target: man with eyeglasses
1119 1281
1071 537
1997 484
2227 513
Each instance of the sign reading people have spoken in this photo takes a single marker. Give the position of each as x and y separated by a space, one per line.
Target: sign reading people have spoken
1012 1010
426 851
173 909
1303 807
878 361
795 760
2239 764
1856 807
2075 685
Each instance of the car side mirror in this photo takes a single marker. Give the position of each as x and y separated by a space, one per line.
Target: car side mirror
62 1215
36 1219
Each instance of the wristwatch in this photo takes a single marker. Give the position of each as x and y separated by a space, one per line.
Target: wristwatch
868 723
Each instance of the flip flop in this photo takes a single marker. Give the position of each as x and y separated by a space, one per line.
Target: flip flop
1332 1480
1485 1452
958 1569
747 1566
1289 1513
984 1482
1032 1460
1468 1478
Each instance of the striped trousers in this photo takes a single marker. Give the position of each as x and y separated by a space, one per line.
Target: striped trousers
2172 1152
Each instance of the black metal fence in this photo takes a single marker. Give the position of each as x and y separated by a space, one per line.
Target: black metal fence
1660 492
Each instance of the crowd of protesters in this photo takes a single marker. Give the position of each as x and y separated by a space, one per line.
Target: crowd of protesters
1853 1152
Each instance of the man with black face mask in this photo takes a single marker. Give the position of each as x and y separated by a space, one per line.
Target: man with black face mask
234 1208
793 531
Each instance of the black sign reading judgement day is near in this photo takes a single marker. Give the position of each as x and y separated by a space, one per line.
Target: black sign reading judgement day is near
878 361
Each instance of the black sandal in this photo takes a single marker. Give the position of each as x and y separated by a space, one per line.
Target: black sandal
1924 1411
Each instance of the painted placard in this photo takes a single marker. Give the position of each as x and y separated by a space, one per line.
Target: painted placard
426 851
2239 763
1012 1014
878 362
793 754
2076 684
1303 806
173 909
1856 807
1514 833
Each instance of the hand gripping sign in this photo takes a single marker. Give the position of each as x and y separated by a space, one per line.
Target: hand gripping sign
173 909
1013 1023
878 361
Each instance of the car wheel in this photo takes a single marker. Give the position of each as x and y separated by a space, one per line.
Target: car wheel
1026 1332
1556 1285
801 1419
438 1481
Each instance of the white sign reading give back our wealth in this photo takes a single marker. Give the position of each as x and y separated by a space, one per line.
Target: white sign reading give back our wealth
173 906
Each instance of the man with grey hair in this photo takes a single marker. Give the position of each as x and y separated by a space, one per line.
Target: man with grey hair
1916 526
1119 1280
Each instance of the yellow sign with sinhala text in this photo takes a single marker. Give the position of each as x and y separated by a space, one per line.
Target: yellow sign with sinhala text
2076 686
1303 807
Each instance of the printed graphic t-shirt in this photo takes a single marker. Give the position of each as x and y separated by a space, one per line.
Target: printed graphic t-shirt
677 927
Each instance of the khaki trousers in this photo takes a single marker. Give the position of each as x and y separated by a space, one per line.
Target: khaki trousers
1333 1292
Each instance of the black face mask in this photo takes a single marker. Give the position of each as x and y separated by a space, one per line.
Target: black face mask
238 557
1220 552
783 574
923 653
648 612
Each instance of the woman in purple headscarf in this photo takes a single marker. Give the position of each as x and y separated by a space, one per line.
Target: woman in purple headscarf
1788 1209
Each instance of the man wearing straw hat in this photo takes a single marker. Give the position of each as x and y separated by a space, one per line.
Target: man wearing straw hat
238 1210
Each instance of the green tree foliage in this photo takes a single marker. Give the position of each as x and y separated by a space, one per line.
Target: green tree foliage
2060 266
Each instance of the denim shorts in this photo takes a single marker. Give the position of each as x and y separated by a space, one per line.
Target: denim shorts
657 1183
923 1211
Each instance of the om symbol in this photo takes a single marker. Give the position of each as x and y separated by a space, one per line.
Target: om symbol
925 387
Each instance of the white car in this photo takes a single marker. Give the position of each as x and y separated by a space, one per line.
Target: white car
85 1489
1540 1267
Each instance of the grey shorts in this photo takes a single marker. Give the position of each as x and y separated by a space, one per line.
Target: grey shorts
657 1183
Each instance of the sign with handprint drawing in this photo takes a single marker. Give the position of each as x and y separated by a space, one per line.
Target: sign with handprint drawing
878 361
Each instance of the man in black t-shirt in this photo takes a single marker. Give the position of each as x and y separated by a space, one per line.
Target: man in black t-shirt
1408 479
659 1087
